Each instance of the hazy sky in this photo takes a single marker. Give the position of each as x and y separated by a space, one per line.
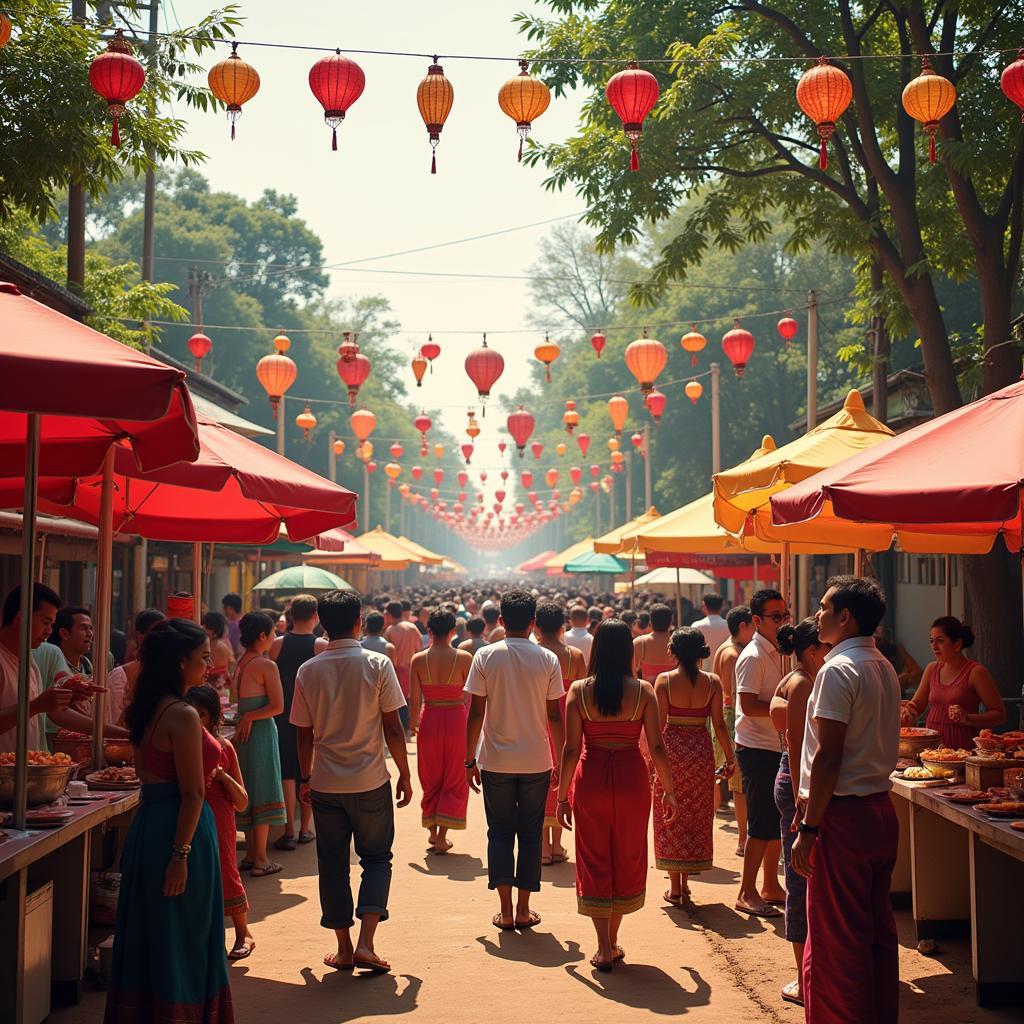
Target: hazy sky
376 196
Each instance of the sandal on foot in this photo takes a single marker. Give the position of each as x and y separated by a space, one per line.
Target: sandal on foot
374 966
442 850
285 842
620 955
601 965
305 837
331 960
547 860
534 919
559 857
676 901
246 864
499 923
242 951
759 910
791 994
271 869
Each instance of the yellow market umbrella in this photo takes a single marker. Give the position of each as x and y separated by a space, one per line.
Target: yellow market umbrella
394 555
426 556
556 563
621 539
742 490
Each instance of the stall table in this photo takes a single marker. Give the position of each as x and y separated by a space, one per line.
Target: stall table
966 874
62 856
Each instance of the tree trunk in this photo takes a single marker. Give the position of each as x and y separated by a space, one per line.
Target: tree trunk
992 604
881 348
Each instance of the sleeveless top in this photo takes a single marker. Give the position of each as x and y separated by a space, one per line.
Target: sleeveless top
442 695
161 762
604 734
942 695
296 650
650 670
688 716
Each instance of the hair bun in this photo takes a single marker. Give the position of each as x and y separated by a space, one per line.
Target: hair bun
784 639
967 634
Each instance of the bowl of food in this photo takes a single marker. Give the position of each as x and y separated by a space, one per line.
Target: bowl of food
1014 780
914 740
78 746
48 776
945 760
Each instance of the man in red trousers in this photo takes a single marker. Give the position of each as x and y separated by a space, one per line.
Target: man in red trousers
847 839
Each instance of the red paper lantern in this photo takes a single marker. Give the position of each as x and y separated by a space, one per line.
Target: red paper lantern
419 368
527 478
632 94
463 479
199 345
430 350
637 440
438 476
353 372
655 403
502 446
118 77
423 423
484 366
598 341
500 495
5 30
467 452
738 345
823 94
417 472
1012 81
397 451
787 327
337 83
583 440
520 426
536 448
575 474
595 470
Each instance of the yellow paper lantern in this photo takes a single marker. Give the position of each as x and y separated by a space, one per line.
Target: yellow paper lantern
614 444
339 447
392 470
434 97
928 99
693 390
524 98
693 342
365 451
306 422
547 352
560 448
233 82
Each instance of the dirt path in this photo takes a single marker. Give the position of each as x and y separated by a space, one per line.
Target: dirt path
453 967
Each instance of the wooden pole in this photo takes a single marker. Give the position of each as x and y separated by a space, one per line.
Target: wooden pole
101 606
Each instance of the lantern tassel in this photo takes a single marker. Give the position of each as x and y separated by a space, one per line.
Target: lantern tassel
547 373
520 149
433 163
823 156
693 359
115 134
931 149
634 160
334 139
232 131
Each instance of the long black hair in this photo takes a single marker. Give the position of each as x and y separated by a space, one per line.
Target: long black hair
611 664
689 648
165 646
205 698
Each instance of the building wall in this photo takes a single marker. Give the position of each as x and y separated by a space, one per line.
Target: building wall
920 599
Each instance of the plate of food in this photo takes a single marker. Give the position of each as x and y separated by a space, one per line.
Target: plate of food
1018 825
919 774
45 817
967 796
1002 808
113 778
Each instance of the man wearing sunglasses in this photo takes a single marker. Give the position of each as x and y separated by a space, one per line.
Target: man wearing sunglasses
759 670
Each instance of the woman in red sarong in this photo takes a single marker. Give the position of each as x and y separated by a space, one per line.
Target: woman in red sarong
225 793
550 623
611 802
436 677
687 697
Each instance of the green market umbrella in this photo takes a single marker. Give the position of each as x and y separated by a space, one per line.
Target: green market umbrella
594 562
303 579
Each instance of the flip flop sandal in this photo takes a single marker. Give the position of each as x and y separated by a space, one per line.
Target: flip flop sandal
271 869
791 994
532 922
373 966
559 858
305 837
765 910
331 961
498 923
441 851
547 861
246 865
285 843
620 955
241 952
675 901
604 966
776 903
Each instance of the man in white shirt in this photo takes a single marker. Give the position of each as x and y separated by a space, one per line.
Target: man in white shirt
344 709
759 670
713 626
846 846
578 635
516 689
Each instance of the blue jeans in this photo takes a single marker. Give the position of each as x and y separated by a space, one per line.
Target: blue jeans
369 819
514 805
796 885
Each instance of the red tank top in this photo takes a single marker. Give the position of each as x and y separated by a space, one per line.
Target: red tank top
161 762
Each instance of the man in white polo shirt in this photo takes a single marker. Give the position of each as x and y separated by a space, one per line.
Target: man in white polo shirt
848 834
759 670
713 626
516 688
344 709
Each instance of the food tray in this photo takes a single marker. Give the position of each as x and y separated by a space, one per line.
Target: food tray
95 783
995 811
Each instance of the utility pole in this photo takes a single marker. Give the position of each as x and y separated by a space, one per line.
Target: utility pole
76 204
280 426
387 507
332 459
366 498
199 283
629 483
149 205
812 360
648 498
597 512
716 418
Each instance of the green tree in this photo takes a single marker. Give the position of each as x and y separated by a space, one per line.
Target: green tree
727 118
54 126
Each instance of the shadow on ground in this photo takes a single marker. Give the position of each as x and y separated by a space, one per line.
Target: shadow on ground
645 987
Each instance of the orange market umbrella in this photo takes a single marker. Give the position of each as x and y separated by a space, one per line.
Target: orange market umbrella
621 539
394 555
426 556
556 563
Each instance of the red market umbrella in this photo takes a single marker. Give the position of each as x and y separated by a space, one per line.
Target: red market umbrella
960 474
69 395
537 563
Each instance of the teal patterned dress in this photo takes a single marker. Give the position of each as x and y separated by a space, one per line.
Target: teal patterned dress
260 762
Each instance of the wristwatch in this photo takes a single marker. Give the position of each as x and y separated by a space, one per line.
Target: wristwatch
811 830
470 764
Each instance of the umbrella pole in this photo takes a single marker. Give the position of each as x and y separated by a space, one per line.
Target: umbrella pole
784 573
949 586
679 601
42 557
632 581
755 573
101 608
858 562
197 582
28 552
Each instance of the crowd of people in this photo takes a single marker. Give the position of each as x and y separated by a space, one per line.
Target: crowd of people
566 714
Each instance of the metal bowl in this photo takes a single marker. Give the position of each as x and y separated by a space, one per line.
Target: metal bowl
46 782
911 746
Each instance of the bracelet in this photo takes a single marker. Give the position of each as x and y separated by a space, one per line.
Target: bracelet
470 764
181 852
304 780
565 801
810 830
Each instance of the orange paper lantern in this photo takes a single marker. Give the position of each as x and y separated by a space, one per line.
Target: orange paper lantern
434 97
419 368
233 82
645 359
693 390
362 422
928 99
547 352
524 98
306 422
693 342
618 410
276 373
823 93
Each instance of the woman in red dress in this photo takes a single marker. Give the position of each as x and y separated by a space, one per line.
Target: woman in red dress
611 803
687 698
226 794
436 678
953 688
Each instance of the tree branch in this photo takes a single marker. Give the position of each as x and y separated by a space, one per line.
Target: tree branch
972 58
784 22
